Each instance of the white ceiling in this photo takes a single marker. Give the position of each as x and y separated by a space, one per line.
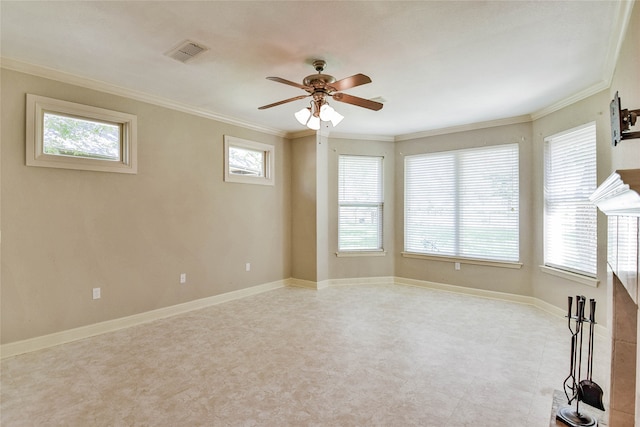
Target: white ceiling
436 64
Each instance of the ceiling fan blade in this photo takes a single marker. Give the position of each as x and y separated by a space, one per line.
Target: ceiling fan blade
287 82
349 82
360 102
295 98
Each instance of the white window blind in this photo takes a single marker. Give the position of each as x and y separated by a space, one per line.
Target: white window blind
570 220
360 202
463 203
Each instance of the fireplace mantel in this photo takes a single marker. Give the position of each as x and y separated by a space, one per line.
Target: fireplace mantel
619 198
619 194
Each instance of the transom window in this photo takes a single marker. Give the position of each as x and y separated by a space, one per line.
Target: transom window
62 134
463 203
248 162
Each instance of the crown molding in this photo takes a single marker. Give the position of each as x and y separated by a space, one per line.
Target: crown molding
467 127
338 135
622 24
50 73
583 94
613 53
300 134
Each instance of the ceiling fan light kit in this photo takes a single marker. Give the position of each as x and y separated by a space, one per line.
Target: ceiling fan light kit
303 115
320 87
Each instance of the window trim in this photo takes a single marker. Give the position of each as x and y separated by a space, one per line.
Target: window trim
35 155
269 161
353 254
569 275
464 260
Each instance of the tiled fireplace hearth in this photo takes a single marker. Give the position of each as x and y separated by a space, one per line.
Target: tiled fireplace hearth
619 198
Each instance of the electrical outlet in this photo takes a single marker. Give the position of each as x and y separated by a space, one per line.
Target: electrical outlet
457 266
96 293
183 278
247 267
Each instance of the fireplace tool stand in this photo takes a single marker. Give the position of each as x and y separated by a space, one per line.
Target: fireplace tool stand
576 389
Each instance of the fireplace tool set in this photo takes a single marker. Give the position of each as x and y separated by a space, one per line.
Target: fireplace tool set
576 388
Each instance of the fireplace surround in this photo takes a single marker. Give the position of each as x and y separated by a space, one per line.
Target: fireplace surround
619 198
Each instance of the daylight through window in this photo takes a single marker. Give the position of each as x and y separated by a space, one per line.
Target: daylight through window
463 203
69 136
360 201
570 219
243 161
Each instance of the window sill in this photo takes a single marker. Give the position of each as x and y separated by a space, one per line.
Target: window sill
488 263
585 280
346 254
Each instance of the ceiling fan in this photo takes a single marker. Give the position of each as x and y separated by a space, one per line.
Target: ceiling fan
320 87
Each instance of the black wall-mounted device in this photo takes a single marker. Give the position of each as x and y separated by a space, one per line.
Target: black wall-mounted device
621 121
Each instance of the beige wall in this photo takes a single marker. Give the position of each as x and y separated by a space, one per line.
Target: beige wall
303 208
65 232
361 266
515 281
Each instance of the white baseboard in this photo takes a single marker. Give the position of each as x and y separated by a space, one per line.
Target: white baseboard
62 337
323 284
301 283
466 291
521 299
385 280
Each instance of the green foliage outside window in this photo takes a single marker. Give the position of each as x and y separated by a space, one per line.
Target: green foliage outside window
68 136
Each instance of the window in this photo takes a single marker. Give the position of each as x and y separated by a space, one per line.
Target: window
248 162
570 241
360 203
63 134
463 203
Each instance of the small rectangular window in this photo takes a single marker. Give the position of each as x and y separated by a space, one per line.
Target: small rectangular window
360 201
67 135
248 162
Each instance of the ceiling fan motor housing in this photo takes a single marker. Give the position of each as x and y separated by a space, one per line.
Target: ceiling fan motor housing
318 81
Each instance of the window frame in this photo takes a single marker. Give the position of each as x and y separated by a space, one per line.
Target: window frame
37 106
457 255
268 151
549 266
378 251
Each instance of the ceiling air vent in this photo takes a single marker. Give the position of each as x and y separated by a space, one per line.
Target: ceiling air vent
186 51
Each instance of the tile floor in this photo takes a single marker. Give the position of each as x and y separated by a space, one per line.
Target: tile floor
343 356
